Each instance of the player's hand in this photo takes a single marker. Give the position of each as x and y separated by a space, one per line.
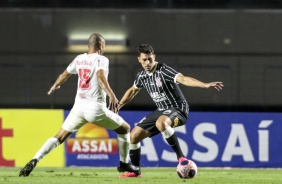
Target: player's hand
52 89
113 104
120 105
216 85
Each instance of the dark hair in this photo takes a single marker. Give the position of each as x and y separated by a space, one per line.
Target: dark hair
146 49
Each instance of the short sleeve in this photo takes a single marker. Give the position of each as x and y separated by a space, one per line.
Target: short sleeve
103 63
138 82
72 67
169 73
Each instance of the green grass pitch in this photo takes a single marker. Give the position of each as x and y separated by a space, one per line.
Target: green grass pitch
98 175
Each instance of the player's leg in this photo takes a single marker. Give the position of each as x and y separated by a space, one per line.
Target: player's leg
123 144
46 148
113 121
123 141
136 136
52 143
72 123
145 128
168 119
165 122
164 125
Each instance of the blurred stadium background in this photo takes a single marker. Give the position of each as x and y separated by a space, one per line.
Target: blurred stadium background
234 41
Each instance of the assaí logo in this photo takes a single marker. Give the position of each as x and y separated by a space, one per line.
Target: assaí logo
92 142
234 143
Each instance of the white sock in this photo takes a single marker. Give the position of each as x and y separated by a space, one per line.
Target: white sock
135 146
48 146
123 145
168 132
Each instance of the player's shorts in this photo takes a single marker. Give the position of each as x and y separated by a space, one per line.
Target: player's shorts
178 118
99 115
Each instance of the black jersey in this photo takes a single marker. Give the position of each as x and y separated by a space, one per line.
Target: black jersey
162 87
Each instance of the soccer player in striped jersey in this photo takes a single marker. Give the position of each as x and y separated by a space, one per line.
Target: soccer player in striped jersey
161 82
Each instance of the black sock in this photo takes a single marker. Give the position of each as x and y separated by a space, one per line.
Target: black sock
173 142
135 156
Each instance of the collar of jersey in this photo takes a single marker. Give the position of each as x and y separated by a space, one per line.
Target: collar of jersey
153 70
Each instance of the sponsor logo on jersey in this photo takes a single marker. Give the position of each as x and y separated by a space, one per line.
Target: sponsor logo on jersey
84 62
158 82
176 121
167 112
158 97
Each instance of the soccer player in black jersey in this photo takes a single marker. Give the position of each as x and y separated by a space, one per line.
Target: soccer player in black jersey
161 82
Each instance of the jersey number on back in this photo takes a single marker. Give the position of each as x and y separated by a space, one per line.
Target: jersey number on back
84 78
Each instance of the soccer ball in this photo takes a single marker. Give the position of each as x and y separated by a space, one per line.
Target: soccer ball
187 169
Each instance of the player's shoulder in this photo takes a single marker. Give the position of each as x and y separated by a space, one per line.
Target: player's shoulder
98 56
103 58
141 75
162 66
81 55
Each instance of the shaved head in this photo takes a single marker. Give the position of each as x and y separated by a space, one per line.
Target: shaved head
95 40
96 43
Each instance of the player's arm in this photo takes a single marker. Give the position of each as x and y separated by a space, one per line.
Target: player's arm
192 82
128 96
104 84
60 80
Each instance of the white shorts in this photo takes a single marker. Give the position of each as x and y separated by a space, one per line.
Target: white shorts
99 115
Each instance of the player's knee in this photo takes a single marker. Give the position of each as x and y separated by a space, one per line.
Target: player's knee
126 127
123 129
134 137
160 125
